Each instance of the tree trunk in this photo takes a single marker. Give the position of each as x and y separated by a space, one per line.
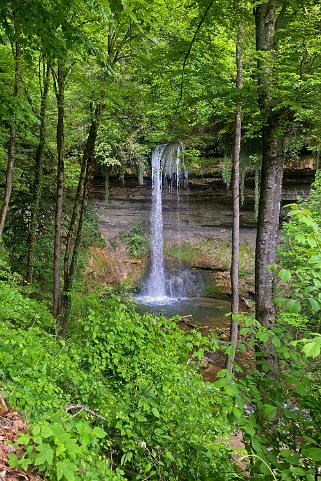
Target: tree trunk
79 210
60 187
12 143
271 176
70 278
268 228
140 172
37 186
265 23
106 178
74 215
236 210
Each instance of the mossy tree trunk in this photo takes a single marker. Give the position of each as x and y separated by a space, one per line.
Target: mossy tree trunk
59 82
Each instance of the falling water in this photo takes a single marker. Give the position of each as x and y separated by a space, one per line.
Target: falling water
156 285
166 170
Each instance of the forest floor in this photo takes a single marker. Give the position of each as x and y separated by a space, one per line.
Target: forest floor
11 424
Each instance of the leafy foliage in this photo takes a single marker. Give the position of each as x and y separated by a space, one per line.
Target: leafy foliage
137 240
123 366
65 451
278 415
300 256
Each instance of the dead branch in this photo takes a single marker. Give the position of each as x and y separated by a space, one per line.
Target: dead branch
81 407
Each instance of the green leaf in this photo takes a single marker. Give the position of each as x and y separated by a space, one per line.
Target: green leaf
263 336
286 475
158 431
311 241
45 456
99 432
25 463
13 460
269 411
155 412
293 306
300 238
35 430
314 304
313 453
126 457
312 349
66 469
279 300
46 431
284 275
276 342
297 471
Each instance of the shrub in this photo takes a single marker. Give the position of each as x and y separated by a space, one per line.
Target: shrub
300 257
137 241
164 422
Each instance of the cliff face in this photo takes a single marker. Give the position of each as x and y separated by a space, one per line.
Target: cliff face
199 212
197 231
303 166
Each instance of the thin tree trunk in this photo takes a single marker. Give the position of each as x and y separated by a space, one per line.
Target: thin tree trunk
140 169
37 186
60 187
75 212
236 210
79 210
106 178
271 177
12 143
69 281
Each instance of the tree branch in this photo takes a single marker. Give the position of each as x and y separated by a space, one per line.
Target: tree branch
81 407
281 15
199 26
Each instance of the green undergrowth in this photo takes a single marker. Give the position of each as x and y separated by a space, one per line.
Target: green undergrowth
137 241
137 408
161 421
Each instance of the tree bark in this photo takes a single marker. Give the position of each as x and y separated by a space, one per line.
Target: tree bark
74 215
271 176
106 178
75 229
236 210
268 228
12 142
60 90
37 185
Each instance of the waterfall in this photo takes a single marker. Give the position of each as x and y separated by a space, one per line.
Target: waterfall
167 172
156 285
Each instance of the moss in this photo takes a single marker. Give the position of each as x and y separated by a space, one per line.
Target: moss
216 292
186 251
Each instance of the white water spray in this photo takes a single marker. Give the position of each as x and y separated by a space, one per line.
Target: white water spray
166 171
156 285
